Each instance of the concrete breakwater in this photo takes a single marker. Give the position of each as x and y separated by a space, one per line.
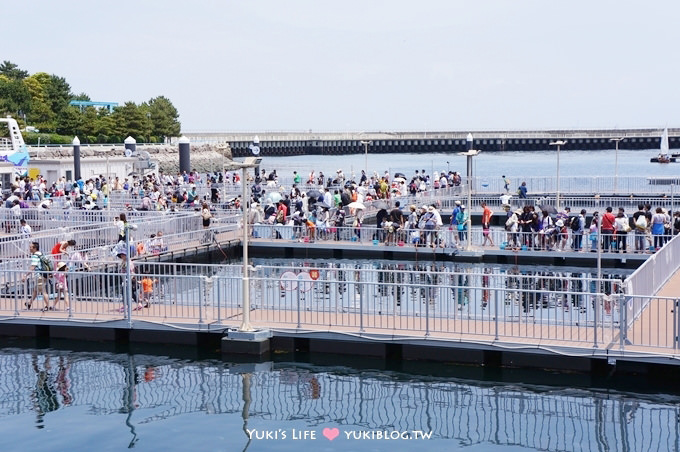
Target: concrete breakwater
312 143
204 157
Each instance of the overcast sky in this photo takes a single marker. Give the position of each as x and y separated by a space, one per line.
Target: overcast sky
361 65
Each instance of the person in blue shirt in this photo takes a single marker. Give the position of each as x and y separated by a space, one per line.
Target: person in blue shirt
522 190
454 223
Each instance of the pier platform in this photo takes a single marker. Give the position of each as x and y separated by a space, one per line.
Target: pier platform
555 321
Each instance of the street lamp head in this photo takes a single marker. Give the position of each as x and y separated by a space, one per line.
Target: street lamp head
366 142
252 161
617 139
558 143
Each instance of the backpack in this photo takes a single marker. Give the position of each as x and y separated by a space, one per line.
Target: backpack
641 222
46 265
575 224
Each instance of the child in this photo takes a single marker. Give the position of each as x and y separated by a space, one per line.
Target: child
60 285
147 291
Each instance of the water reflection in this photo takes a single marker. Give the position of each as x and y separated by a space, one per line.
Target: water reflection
152 391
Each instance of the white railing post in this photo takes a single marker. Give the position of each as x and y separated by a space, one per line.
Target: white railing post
427 314
361 304
676 324
495 302
299 323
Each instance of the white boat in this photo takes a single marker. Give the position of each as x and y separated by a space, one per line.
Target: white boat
663 150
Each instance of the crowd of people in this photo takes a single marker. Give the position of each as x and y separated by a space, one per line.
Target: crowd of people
531 228
322 204
320 207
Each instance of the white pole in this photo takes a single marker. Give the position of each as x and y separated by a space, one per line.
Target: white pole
557 197
128 276
366 143
599 277
245 325
469 205
559 144
616 168
616 162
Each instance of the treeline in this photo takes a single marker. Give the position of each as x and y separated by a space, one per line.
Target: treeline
42 101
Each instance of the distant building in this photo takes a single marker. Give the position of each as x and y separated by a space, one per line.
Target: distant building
86 103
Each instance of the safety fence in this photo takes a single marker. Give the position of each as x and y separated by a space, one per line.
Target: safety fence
451 238
489 305
543 185
649 278
91 235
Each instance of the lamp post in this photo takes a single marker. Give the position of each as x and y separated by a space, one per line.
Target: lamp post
599 278
249 162
366 143
616 161
559 145
469 154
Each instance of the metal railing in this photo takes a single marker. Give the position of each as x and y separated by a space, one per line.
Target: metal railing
93 234
536 185
450 237
432 301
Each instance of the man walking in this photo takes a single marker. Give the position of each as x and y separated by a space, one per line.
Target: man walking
506 182
37 276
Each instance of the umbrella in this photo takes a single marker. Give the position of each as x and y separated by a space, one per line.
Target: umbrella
322 204
548 208
273 197
314 194
356 205
380 204
400 175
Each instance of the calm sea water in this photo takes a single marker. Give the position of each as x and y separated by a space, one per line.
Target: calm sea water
488 164
82 401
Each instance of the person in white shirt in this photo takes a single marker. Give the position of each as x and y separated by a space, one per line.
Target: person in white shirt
328 197
25 229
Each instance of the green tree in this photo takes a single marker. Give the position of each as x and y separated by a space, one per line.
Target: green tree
12 71
70 121
81 96
163 117
41 115
14 97
130 120
58 94
106 123
90 121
